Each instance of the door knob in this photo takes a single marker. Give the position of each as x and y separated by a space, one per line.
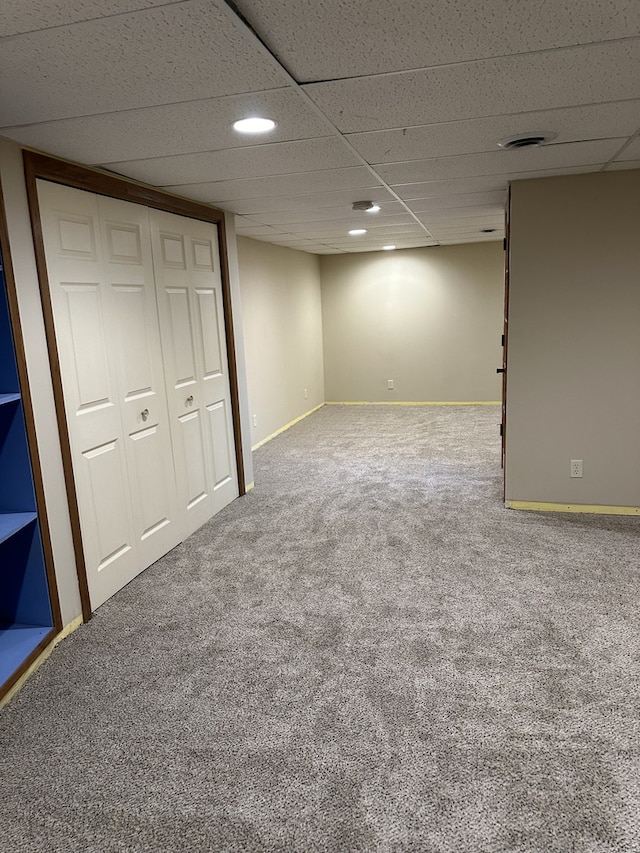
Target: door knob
189 400
144 414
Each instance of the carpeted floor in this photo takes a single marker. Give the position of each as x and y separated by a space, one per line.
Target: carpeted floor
367 653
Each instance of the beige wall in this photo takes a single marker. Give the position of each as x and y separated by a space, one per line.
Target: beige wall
281 309
574 340
430 319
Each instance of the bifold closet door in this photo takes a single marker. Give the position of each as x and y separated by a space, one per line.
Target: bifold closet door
102 288
189 287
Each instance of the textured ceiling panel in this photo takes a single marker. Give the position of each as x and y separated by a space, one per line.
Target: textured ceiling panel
182 128
344 225
319 214
309 202
307 182
172 53
21 17
328 39
510 84
631 152
597 121
281 158
458 202
623 164
487 183
502 162
151 88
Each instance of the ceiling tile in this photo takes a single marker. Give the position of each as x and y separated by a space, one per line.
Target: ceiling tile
204 125
278 185
181 52
321 214
631 152
280 158
356 221
620 165
310 202
23 17
502 162
596 121
509 84
331 38
444 203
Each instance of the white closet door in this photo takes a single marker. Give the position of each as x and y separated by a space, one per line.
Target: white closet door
142 395
187 271
102 292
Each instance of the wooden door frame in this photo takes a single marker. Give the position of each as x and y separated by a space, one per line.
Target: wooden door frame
34 454
45 167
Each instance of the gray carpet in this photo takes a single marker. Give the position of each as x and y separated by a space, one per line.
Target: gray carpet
367 653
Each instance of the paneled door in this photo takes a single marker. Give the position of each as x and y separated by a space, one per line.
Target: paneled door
189 288
102 289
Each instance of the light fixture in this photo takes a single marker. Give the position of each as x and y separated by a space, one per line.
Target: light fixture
527 140
254 124
356 232
388 248
374 208
368 206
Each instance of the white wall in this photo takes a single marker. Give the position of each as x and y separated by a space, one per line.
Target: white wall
281 307
430 319
573 386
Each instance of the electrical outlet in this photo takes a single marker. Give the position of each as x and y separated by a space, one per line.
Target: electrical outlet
255 420
390 384
306 394
576 467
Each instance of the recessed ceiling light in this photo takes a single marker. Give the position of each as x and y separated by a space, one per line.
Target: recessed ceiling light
374 208
388 248
527 140
254 124
356 232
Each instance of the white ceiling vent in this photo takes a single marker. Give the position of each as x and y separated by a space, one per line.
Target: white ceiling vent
527 140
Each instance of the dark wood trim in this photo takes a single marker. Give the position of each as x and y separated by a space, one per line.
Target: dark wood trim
28 661
231 353
27 408
505 338
70 174
56 379
115 186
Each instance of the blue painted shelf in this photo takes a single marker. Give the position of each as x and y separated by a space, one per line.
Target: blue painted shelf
8 398
26 618
12 522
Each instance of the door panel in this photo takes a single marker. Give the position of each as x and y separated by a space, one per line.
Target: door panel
189 287
142 401
103 298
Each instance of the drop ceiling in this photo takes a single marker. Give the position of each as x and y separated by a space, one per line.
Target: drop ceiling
401 103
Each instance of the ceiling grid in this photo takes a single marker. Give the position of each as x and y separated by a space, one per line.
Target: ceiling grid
401 104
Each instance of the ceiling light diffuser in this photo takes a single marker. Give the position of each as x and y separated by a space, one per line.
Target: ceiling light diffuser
254 124
373 209
388 248
356 232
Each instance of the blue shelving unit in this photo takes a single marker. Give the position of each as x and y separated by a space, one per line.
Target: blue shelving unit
26 619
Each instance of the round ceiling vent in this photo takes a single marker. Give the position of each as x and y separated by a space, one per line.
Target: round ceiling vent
363 205
527 140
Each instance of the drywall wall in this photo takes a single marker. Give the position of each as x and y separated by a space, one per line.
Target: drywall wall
38 368
429 319
574 340
281 309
